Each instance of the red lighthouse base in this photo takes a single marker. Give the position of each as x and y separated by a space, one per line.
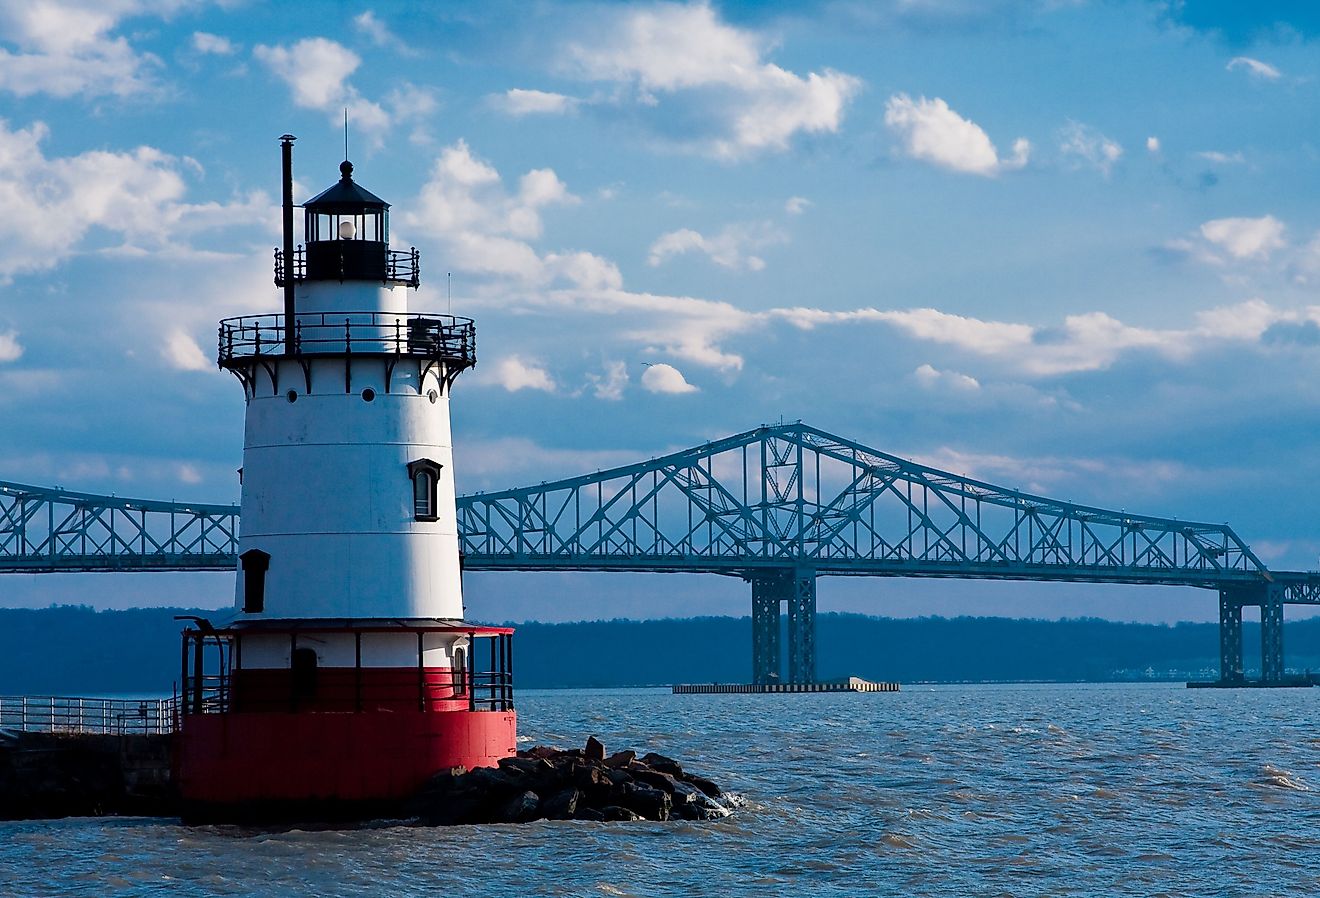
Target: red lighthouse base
328 764
271 744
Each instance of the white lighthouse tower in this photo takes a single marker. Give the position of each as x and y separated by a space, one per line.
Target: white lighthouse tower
348 676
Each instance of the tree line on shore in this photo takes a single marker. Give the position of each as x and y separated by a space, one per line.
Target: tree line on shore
75 650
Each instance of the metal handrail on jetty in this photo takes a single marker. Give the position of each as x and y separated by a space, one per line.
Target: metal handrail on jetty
97 716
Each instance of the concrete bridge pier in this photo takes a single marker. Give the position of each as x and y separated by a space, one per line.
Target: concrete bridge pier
772 589
1230 637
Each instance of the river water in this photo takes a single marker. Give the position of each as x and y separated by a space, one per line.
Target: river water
949 790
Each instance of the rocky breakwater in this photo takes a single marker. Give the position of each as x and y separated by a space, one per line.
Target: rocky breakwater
574 784
45 775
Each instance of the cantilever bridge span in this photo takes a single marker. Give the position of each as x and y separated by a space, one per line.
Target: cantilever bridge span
777 506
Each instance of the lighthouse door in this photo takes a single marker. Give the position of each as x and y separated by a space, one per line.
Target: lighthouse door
303 666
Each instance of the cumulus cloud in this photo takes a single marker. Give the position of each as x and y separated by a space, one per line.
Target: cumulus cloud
182 352
740 104
610 383
932 378
731 248
1087 146
379 33
514 373
1256 69
796 205
67 48
1245 238
10 349
1153 144
212 44
930 131
316 70
518 102
1219 158
662 378
52 204
465 205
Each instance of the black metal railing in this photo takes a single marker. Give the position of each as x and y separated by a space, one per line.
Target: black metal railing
64 714
352 260
436 337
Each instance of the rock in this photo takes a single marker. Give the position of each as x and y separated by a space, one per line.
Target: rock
620 758
522 808
584 813
594 751
690 803
703 784
541 751
618 777
615 812
663 764
653 778
561 805
647 801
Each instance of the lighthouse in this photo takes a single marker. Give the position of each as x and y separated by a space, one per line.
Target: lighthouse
347 676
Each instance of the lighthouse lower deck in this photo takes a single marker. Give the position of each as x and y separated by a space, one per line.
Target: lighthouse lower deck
267 734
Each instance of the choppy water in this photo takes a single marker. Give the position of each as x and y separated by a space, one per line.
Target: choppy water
970 790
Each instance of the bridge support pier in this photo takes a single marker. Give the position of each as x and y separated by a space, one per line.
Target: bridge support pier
1271 635
1230 636
771 590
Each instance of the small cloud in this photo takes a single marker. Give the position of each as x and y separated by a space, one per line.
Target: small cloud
662 378
1222 158
1262 71
1245 238
731 248
380 34
183 353
1153 144
932 378
519 102
10 348
514 374
796 205
213 44
1089 147
316 71
610 384
932 132
188 474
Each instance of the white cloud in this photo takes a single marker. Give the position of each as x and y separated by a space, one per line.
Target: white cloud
10 349
380 34
519 102
1088 146
715 72
317 70
188 473
52 204
514 373
932 378
1255 68
465 205
212 44
932 132
67 47
1153 144
662 378
1222 158
611 383
183 353
731 248
1245 238
796 205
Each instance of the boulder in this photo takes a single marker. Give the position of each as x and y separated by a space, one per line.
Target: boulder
618 813
594 751
646 801
562 805
653 778
590 814
663 764
621 758
522 808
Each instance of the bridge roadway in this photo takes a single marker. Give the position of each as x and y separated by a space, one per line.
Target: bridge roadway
777 506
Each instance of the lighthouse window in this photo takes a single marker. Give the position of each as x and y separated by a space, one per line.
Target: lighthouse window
425 475
368 394
254 563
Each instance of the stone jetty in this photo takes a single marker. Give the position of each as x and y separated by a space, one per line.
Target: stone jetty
44 775
573 784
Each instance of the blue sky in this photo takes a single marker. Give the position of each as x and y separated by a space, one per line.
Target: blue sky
1071 247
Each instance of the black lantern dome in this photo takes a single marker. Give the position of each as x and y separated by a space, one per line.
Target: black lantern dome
347 229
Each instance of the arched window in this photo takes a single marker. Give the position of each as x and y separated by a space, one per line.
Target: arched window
425 475
460 670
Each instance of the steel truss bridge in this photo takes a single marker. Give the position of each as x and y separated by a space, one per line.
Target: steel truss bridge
777 506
